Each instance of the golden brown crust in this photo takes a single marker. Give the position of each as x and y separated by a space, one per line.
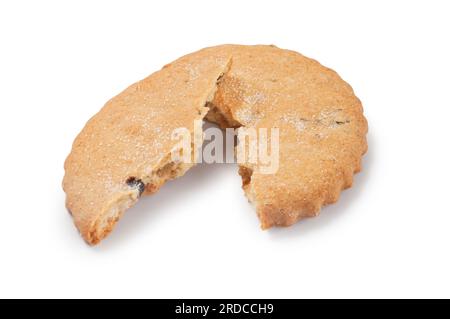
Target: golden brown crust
126 146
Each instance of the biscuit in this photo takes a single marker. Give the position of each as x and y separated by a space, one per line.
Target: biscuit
320 120
125 149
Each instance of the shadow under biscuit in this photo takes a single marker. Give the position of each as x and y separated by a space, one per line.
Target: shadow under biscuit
150 210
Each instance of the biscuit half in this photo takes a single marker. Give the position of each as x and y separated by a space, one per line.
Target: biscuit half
125 149
321 125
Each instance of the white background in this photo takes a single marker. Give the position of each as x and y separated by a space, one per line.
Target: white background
388 236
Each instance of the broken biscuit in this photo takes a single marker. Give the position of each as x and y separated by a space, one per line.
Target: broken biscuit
125 150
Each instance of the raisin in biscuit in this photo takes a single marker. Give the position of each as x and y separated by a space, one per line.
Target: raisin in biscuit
320 120
125 150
